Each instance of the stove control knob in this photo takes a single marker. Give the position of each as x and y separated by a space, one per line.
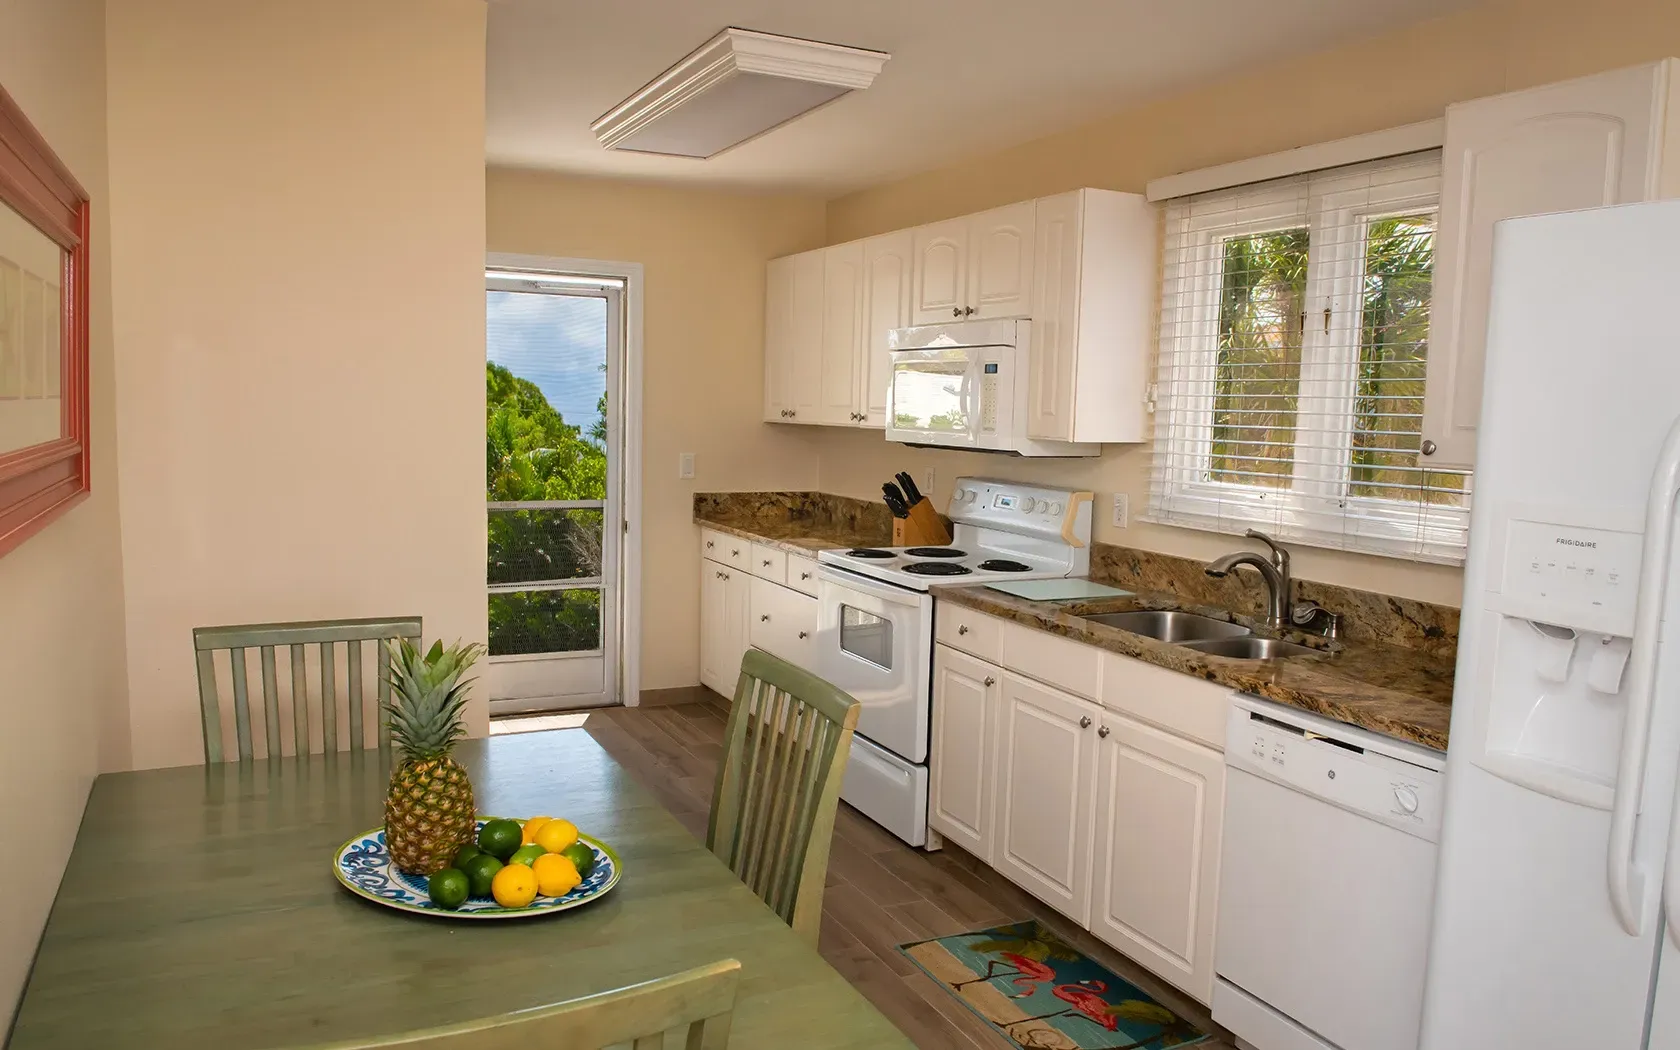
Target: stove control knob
961 495
1406 799
1028 505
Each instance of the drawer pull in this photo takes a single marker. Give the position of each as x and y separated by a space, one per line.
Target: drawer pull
1102 731
710 544
804 634
764 618
989 682
804 575
1085 722
962 628
765 563
735 554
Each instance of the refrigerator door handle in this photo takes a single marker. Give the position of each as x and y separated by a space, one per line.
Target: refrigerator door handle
1628 876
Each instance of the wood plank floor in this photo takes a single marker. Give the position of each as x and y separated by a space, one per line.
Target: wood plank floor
881 893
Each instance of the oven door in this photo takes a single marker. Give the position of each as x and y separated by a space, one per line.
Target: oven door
875 641
934 396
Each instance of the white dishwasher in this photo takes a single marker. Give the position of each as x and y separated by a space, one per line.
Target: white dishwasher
1326 882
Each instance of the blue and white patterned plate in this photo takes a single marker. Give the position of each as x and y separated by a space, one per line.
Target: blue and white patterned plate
364 866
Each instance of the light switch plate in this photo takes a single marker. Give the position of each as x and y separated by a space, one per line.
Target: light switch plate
1122 509
685 465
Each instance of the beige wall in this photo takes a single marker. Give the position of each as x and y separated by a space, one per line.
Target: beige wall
298 195
1404 76
704 255
61 631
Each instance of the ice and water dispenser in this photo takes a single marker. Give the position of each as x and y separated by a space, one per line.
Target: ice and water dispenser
1555 638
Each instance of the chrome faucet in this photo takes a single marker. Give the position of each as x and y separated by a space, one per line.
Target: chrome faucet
1274 570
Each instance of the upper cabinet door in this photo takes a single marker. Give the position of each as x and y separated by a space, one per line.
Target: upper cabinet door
1055 324
886 305
1579 144
806 342
778 338
940 272
1000 263
842 333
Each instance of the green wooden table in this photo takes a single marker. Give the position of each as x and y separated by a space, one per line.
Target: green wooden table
199 910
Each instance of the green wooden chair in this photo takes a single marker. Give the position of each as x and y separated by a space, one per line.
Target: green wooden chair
695 1005
295 638
778 786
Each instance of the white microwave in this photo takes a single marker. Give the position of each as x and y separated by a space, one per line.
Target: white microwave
965 385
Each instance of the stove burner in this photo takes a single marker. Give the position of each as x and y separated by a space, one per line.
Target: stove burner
937 568
869 552
1003 565
936 552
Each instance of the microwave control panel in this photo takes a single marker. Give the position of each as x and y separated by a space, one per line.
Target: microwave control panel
989 398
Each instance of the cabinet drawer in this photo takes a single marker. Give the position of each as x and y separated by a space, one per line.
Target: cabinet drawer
1052 658
802 574
1176 702
783 622
972 632
722 547
769 563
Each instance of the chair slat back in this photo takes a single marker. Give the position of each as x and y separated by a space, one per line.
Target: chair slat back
778 787
695 1007
326 636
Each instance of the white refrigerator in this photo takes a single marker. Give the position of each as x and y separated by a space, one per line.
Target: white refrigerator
1557 910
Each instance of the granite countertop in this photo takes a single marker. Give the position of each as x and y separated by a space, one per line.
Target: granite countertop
798 537
1402 693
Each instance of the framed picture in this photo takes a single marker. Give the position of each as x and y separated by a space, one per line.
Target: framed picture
44 467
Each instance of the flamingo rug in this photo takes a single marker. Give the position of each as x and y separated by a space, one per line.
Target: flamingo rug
1045 995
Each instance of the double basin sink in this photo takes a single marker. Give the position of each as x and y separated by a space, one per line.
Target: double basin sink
1203 634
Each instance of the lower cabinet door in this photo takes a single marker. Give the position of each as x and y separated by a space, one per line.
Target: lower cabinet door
1047 747
961 761
716 627
737 611
1155 877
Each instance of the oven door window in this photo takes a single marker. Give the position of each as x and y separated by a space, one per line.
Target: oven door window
931 395
867 636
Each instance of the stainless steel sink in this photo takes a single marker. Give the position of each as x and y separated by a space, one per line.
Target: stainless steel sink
1251 648
1171 625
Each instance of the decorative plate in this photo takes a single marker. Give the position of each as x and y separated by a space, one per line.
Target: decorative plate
364 866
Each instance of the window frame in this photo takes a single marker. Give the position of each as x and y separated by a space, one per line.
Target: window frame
1319 504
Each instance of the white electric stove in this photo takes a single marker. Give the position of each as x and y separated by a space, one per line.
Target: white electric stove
875 627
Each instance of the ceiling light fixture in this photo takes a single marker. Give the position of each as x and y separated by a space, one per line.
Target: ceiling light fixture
734 87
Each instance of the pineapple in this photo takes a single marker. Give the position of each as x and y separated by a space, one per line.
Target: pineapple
429 807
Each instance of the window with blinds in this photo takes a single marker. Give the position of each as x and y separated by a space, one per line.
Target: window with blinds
1294 330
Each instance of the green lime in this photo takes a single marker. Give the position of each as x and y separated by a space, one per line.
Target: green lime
467 852
480 870
448 888
500 838
581 856
526 854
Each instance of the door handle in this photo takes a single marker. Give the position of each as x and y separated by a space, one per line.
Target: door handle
804 634
989 681
1085 722
1102 731
804 575
968 311
764 618
956 311
766 563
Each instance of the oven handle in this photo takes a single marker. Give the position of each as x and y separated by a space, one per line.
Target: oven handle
874 588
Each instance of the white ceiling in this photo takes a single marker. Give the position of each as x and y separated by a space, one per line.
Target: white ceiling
965 75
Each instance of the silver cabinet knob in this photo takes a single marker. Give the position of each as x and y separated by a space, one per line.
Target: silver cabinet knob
956 311
968 311
766 563
1428 447
962 628
1085 722
990 681
804 575
764 618
1102 731
710 544
804 634
736 553
793 413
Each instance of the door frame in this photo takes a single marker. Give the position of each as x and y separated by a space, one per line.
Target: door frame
630 472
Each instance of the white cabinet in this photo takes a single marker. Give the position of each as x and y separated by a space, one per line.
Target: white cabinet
724 604
973 268
965 711
782 621
1155 872
793 343
1046 778
842 333
1582 143
1095 258
886 305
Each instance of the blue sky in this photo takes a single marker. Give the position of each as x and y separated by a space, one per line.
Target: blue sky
558 342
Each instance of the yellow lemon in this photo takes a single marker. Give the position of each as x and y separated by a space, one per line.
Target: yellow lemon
514 886
528 833
556 835
556 875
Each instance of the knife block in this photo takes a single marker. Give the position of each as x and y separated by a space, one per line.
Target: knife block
923 528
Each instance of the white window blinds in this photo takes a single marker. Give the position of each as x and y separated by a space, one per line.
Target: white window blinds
1294 330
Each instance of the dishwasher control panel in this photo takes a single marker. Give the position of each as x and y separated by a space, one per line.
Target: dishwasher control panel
1361 772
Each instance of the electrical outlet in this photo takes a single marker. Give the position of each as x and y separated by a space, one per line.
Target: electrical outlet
685 465
1122 509
927 483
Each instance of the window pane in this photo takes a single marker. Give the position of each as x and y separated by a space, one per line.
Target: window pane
1393 345
1263 285
528 546
545 397
545 622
